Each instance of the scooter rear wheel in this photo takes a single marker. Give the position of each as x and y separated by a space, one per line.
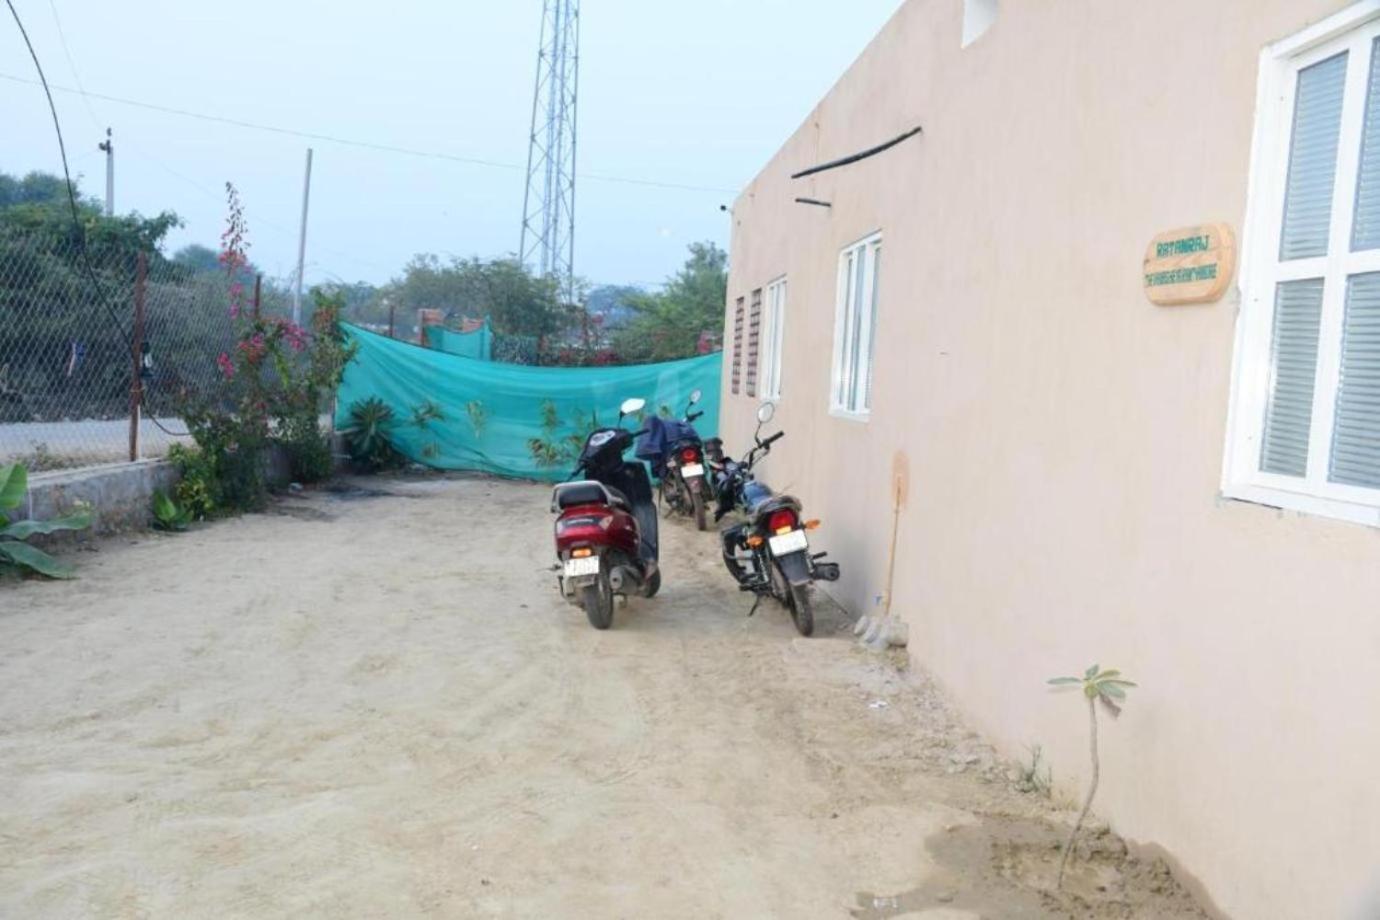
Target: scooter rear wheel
598 602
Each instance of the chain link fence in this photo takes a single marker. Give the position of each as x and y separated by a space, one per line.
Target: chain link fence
100 341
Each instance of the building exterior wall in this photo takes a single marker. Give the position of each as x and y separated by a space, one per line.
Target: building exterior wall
1065 437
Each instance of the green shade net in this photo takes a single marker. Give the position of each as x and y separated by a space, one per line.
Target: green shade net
510 419
478 344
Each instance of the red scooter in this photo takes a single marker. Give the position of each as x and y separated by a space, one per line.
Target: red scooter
606 526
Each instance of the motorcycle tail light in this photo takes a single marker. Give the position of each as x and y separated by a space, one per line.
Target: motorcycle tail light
603 521
782 521
689 455
583 552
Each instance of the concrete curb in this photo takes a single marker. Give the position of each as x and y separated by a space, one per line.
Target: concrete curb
120 494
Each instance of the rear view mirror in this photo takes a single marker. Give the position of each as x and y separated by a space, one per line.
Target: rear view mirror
632 406
695 396
766 412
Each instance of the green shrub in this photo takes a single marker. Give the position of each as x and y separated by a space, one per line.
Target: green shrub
16 555
168 514
368 437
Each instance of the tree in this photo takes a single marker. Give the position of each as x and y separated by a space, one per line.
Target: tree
1099 686
65 290
668 324
504 290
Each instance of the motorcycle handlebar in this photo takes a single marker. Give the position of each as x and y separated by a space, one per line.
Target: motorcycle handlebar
693 416
773 439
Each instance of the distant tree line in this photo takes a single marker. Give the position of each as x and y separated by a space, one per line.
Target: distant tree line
64 330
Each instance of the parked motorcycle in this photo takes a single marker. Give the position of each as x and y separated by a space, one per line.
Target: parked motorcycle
606 526
676 454
769 553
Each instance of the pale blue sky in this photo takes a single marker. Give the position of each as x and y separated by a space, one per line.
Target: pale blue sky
692 93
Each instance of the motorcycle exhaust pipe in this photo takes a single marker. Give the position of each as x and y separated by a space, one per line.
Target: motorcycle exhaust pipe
621 578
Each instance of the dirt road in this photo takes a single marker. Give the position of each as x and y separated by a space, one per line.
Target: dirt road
377 707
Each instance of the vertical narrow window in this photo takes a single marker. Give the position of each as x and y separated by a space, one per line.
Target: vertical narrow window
1365 230
1293 366
754 346
775 339
1356 432
1313 159
736 379
855 327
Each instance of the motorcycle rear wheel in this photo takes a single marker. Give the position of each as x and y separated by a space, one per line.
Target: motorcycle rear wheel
597 600
697 499
802 610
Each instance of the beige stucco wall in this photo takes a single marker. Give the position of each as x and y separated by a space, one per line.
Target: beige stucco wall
1065 436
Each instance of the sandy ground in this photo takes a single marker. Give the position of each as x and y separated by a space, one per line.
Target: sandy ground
377 706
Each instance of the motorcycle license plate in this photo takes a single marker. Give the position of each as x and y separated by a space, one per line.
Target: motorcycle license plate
692 469
589 565
792 542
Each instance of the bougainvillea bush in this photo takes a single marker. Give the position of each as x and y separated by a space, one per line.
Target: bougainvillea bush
274 384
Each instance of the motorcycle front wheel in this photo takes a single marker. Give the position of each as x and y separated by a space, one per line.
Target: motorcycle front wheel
598 602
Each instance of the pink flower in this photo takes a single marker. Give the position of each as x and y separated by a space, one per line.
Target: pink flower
227 367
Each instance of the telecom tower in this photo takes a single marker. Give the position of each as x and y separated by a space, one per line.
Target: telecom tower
548 207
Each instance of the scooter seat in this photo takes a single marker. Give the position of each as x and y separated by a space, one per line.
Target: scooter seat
588 492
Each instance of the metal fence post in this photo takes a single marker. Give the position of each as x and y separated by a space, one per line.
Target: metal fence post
258 295
136 387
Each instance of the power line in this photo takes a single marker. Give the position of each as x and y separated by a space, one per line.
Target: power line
369 145
72 65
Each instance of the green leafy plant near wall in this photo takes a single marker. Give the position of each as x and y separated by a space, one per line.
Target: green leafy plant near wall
16 555
168 514
369 436
1107 688
198 485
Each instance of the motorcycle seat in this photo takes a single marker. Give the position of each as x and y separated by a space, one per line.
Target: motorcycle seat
768 503
587 492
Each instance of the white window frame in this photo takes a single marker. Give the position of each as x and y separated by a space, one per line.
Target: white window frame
773 341
843 375
1353 30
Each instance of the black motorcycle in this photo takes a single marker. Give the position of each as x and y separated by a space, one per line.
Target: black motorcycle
768 554
676 454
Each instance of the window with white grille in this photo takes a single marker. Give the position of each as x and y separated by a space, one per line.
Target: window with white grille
1305 428
774 337
754 345
736 377
855 323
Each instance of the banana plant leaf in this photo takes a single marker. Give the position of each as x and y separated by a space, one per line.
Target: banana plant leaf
14 482
22 530
25 556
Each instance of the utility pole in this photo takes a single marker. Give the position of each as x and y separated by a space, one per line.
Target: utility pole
548 207
108 145
302 245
